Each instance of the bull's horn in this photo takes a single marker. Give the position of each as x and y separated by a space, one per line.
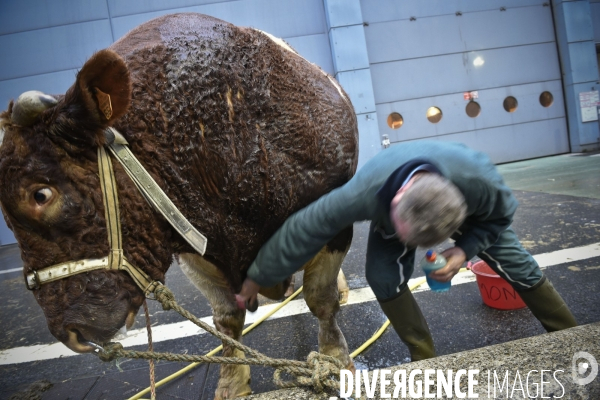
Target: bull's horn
29 105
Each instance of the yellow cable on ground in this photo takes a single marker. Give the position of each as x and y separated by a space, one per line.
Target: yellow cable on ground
370 341
217 349
264 317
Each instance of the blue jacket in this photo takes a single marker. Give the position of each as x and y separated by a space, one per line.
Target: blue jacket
490 206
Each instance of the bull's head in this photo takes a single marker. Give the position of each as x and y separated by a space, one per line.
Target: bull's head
51 199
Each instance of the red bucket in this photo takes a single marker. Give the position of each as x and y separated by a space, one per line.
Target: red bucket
495 291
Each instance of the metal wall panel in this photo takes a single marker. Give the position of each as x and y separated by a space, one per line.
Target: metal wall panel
517 142
584 65
392 10
52 49
351 65
578 25
26 15
404 39
315 48
579 66
6 235
349 45
119 8
455 120
368 137
52 83
281 18
434 59
455 73
343 13
595 10
358 86
44 59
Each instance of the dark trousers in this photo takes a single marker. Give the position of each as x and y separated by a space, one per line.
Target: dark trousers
390 264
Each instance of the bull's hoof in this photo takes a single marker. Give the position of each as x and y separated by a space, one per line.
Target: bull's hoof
224 393
351 367
290 291
343 296
234 382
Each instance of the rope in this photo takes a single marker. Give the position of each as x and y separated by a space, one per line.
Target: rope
214 351
320 371
150 349
359 350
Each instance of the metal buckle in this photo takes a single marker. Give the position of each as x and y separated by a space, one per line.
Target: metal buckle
36 277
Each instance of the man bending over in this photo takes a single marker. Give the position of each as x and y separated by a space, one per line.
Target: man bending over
415 194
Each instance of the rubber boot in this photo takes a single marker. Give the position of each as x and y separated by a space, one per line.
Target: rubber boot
408 322
548 307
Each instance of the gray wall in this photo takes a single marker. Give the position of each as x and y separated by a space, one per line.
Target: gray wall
45 42
577 49
425 56
595 15
352 70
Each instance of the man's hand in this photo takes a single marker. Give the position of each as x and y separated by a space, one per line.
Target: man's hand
247 297
455 258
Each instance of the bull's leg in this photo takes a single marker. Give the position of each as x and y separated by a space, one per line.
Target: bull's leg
234 380
290 289
343 288
321 294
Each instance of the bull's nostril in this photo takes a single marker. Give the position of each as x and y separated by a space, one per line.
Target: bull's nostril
78 335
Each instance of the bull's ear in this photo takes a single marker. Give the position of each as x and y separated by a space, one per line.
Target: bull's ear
105 86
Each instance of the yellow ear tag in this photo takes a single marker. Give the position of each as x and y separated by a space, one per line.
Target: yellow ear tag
104 103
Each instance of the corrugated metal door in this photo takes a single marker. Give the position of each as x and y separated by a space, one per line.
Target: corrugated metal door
483 73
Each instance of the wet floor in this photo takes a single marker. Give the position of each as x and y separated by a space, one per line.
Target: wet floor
559 210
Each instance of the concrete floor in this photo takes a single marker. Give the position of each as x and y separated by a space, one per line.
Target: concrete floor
559 210
576 174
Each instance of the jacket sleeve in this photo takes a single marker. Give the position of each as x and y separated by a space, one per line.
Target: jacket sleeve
490 211
303 235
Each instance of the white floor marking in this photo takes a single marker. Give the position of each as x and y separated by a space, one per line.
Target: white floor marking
6 271
183 329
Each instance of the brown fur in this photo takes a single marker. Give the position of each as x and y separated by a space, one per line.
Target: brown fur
238 131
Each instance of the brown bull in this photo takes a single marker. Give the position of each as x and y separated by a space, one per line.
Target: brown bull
236 128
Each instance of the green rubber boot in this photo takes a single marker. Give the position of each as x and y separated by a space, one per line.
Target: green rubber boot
408 322
548 307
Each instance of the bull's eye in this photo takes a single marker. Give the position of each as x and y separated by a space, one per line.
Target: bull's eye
42 196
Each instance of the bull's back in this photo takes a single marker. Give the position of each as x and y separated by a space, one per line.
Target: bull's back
249 131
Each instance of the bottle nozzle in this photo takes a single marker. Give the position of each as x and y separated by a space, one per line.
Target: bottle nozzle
430 255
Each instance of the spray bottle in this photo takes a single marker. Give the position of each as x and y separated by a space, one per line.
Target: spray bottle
432 262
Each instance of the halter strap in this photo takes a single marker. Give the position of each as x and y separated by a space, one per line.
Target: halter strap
115 259
153 194
111 209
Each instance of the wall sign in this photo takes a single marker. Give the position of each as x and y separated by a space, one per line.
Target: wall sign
589 101
471 95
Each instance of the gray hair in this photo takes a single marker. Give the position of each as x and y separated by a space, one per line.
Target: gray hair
433 208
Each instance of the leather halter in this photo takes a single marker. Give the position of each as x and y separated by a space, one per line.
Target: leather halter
115 259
